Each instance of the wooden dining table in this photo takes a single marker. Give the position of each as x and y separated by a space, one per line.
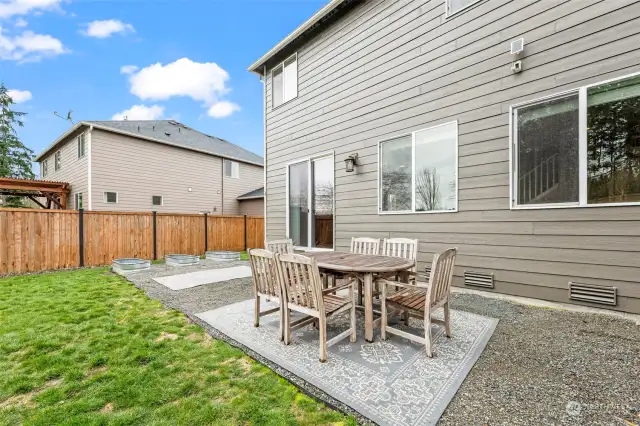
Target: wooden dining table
365 267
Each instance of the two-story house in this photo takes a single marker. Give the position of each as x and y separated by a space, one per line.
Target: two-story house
159 165
510 129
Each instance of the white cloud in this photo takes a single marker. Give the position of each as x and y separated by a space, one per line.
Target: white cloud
106 28
29 46
222 109
140 112
128 69
19 96
23 7
20 23
205 82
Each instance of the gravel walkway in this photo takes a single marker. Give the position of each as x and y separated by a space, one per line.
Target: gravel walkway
542 366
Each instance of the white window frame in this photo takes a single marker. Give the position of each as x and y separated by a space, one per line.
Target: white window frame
104 197
413 173
281 65
76 197
57 160
582 150
231 163
329 154
82 142
447 4
44 168
161 201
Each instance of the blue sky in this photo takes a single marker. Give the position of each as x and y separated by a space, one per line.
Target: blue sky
187 59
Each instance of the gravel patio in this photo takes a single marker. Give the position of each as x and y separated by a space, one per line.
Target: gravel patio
541 366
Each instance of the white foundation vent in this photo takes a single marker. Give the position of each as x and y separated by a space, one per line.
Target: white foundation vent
604 295
478 279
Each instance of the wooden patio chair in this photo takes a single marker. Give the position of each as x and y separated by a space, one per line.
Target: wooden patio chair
265 283
302 291
422 299
279 246
364 245
402 247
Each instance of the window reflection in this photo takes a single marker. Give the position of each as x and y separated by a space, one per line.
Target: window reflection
613 143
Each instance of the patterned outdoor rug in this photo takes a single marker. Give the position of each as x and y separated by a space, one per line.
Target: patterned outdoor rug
391 382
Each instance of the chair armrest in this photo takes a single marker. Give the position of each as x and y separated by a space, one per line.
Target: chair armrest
399 284
338 287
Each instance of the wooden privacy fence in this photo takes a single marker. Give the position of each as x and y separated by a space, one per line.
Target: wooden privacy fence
37 240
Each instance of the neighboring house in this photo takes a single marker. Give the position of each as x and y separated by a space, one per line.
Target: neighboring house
252 203
528 162
159 165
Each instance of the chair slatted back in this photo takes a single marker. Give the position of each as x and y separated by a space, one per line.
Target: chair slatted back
300 280
365 245
279 246
401 247
263 271
441 275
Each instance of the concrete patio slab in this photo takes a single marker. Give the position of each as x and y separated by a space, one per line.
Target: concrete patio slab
391 382
195 279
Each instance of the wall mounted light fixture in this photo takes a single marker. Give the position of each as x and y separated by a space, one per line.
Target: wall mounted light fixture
351 162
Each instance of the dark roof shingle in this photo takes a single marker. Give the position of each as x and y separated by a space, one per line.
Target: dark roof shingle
176 133
257 193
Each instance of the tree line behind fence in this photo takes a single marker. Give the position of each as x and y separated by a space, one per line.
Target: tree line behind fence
38 240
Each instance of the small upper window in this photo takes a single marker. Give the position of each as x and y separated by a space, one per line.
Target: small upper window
156 200
110 197
81 145
231 169
284 79
454 6
78 200
44 168
57 160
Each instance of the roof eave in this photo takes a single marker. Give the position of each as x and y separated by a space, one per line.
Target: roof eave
257 197
60 139
124 132
256 67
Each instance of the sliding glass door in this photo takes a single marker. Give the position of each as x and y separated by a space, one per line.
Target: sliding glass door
310 204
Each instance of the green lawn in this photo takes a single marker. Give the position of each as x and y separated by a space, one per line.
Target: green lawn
87 348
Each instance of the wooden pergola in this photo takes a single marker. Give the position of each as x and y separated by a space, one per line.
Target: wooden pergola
55 193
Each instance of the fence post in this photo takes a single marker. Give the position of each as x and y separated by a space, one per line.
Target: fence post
155 236
81 236
245 232
206 232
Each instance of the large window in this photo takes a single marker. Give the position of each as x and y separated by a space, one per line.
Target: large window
419 172
310 203
284 80
580 148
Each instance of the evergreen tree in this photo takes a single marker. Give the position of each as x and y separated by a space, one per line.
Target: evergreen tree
15 158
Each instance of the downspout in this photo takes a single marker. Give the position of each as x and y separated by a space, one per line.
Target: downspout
222 185
264 92
89 148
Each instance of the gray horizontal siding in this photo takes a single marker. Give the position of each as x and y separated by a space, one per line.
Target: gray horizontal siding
73 170
250 178
138 169
390 68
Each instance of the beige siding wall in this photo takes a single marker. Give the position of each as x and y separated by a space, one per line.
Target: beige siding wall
252 207
138 169
388 68
73 169
251 178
